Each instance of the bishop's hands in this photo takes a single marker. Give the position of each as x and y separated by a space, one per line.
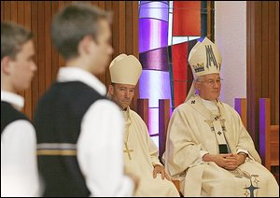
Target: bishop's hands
227 161
159 169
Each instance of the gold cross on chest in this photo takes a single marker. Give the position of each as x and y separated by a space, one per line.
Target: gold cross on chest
127 150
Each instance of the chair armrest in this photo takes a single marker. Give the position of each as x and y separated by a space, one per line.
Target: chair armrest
176 182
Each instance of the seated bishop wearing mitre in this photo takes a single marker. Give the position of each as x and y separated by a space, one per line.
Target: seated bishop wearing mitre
208 149
139 151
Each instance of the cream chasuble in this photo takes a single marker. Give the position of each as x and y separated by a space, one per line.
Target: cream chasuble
193 129
140 154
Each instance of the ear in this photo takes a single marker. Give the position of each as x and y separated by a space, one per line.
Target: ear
111 89
197 85
84 45
5 65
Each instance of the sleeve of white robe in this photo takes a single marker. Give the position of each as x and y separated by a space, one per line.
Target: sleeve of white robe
99 151
19 173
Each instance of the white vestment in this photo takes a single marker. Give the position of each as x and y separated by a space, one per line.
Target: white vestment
140 155
192 132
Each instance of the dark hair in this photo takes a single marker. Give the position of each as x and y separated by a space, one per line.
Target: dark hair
13 36
72 24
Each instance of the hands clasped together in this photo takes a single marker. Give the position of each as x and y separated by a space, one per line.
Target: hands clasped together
227 161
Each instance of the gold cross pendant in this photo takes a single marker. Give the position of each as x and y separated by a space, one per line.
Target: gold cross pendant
127 150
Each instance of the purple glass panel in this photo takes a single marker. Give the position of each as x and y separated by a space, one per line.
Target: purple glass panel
154 85
144 2
156 10
153 121
153 39
155 59
153 34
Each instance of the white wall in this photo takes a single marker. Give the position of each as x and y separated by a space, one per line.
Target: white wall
230 36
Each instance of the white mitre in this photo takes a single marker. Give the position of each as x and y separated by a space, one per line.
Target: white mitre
204 58
125 69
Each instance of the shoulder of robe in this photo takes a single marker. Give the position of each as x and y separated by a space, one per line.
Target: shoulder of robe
136 115
184 107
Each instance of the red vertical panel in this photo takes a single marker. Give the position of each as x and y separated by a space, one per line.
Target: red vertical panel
179 58
186 18
180 92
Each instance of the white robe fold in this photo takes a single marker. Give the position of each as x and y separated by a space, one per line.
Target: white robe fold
143 157
189 133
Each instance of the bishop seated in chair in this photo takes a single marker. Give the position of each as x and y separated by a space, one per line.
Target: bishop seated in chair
208 149
140 152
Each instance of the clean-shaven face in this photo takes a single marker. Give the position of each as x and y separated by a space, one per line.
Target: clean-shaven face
22 68
209 86
122 94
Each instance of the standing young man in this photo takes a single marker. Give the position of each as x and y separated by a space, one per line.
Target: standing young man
79 131
19 174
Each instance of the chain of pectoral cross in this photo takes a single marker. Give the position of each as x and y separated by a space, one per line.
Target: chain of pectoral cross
127 150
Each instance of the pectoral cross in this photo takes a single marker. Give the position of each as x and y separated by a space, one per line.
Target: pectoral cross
127 150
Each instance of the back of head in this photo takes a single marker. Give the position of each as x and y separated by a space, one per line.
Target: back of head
13 37
72 24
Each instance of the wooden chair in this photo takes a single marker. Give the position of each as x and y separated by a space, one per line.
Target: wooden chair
268 134
268 138
240 105
143 110
164 117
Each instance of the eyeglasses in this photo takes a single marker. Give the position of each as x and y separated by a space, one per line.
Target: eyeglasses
212 82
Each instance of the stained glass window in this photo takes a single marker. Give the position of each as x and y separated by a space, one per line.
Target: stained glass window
167 32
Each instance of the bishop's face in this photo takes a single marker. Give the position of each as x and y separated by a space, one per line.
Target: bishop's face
122 94
209 86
